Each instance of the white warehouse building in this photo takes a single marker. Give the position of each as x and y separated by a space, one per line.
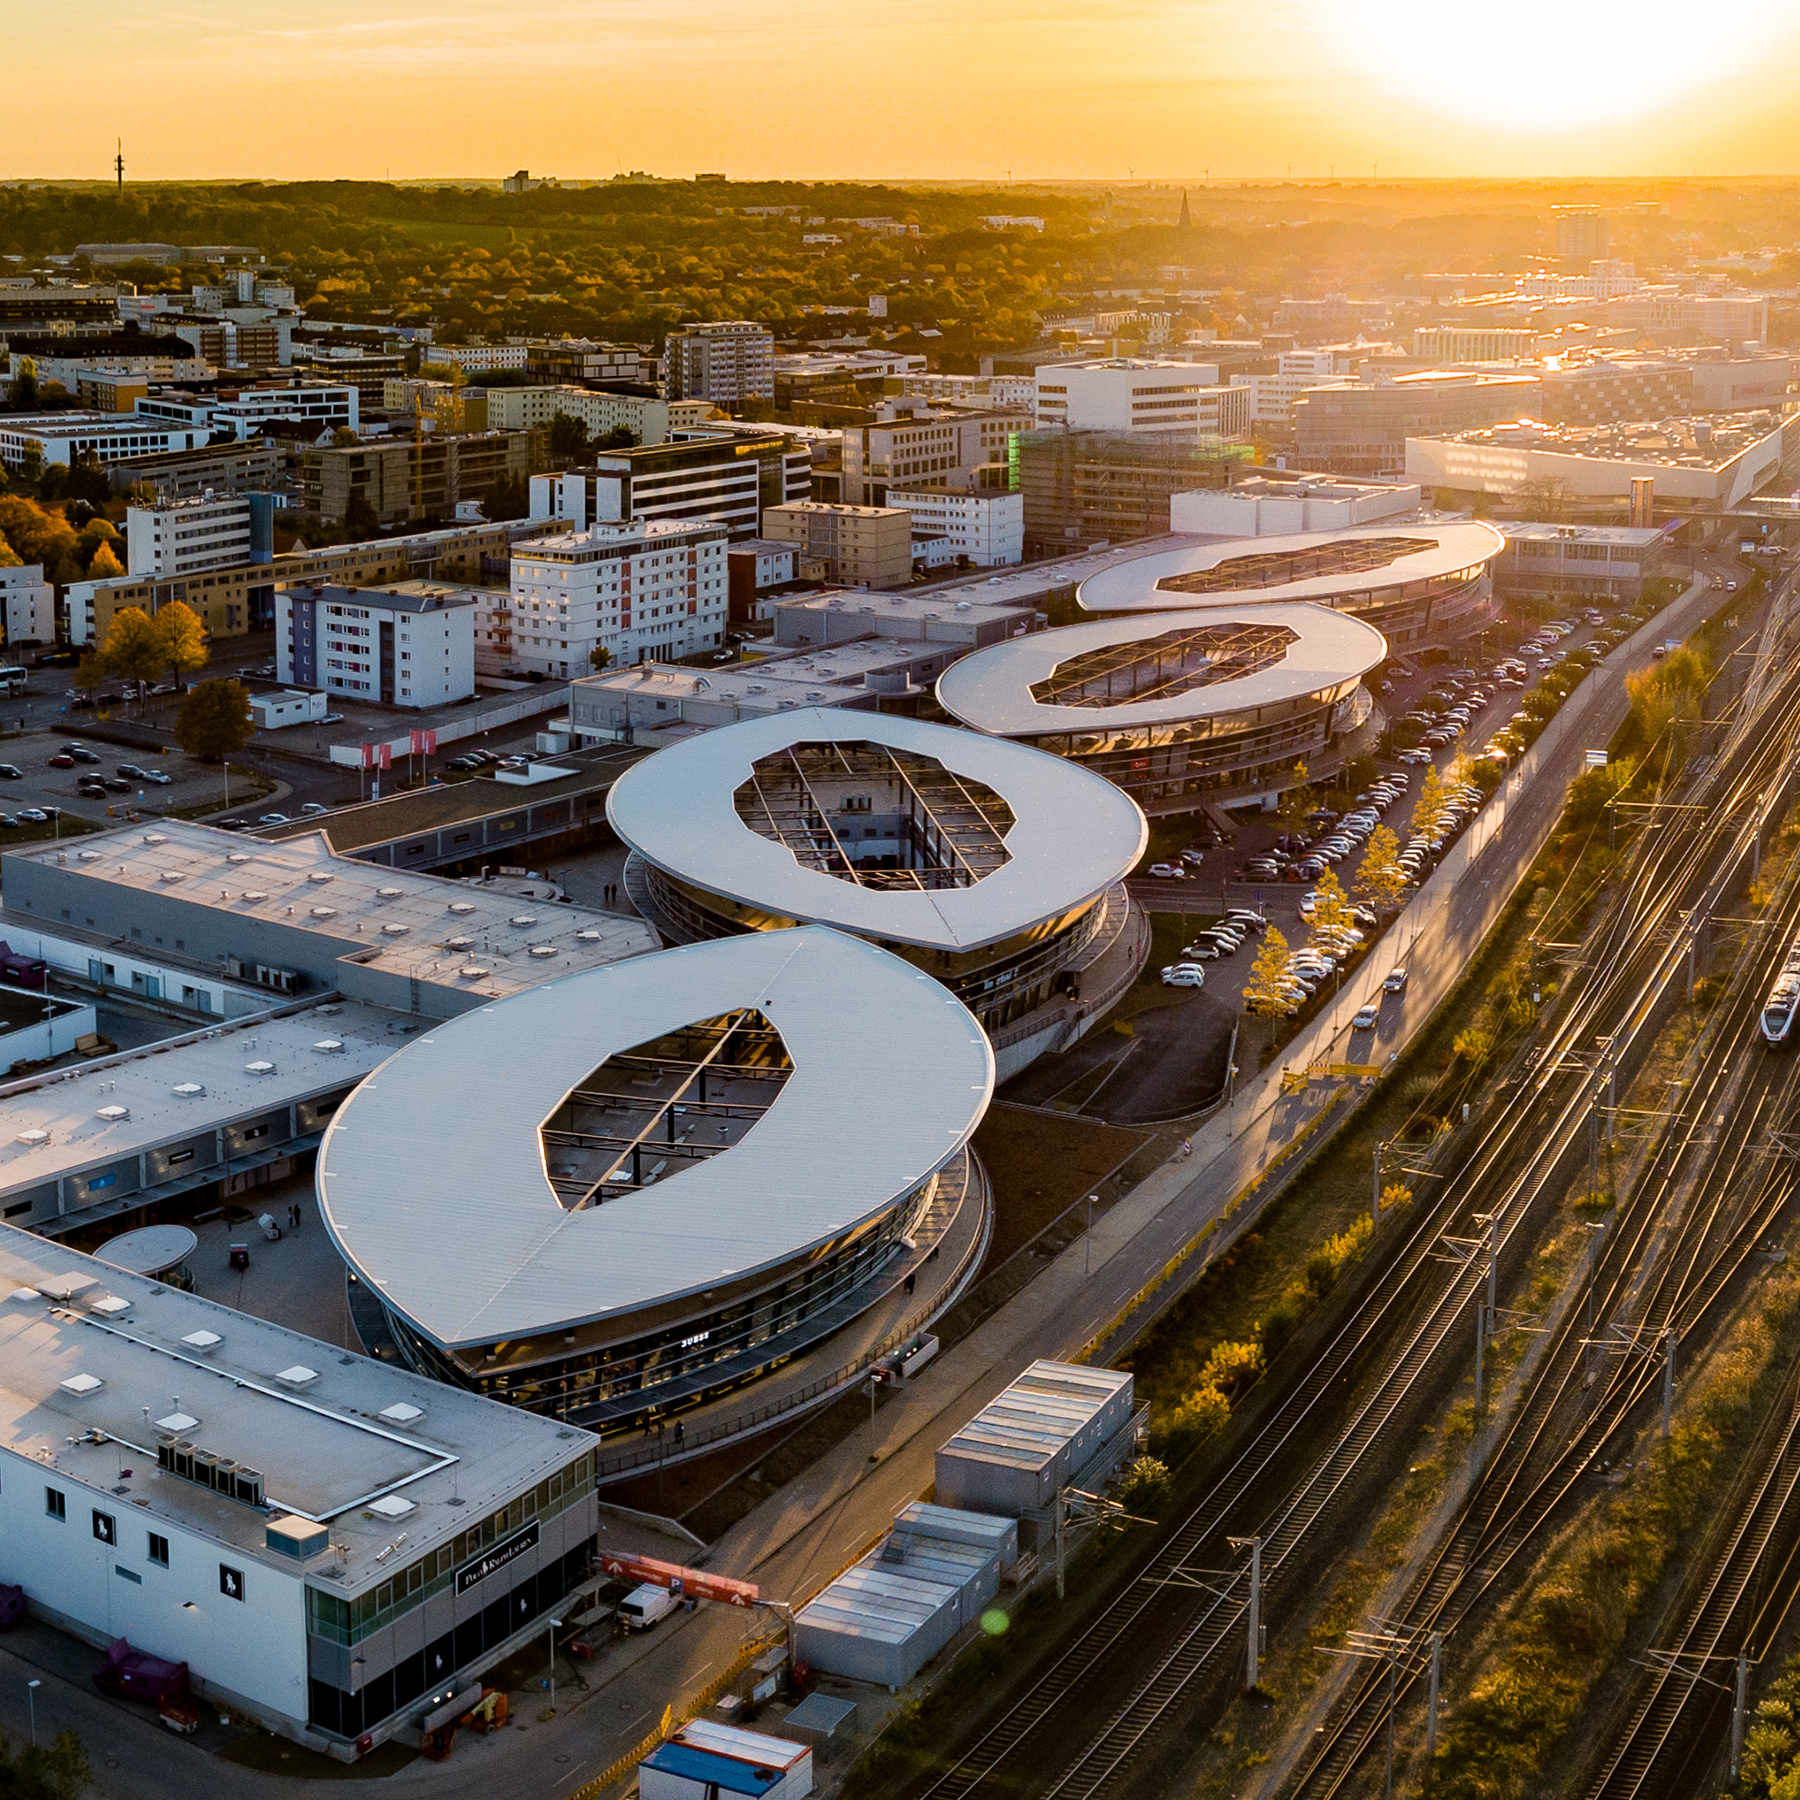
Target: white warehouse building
333 1546
653 590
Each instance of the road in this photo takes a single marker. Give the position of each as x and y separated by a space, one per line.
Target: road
802 1535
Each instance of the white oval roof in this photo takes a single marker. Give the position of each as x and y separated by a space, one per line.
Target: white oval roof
432 1181
1074 833
1132 586
990 689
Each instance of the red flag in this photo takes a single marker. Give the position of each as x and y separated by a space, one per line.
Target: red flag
386 755
368 756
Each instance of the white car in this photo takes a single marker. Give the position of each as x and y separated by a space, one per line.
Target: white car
1169 871
1395 983
1365 1018
1184 975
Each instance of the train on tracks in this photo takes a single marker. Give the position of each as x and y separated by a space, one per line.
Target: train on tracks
1783 1004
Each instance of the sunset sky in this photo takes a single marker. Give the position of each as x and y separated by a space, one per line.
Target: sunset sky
933 89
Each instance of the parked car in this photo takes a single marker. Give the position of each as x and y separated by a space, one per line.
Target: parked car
81 753
313 809
11 772
273 819
132 770
643 1606
1169 871
157 778
1185 974
63 760
34 815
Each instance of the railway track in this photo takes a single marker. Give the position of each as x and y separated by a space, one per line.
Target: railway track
1399 1342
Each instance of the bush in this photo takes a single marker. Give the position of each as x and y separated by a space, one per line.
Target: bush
1146 1486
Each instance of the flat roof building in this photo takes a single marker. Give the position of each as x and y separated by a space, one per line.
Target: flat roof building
400 646
1182 709
1580 562
1417 584
294 918
1283 506
1361 426
852 546
993 868
680 1171
331 1545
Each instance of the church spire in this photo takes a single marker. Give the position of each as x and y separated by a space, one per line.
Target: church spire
1186 222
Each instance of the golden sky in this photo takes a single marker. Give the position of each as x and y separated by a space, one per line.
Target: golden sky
930 89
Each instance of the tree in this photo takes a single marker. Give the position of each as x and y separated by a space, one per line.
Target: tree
105 565
344 437
1381 880
360 520
1429 813
214 720
1265 995
621 437
22 396
568 439
183 637
1331 906
133 647
59 1773
89 481
508 497
599 658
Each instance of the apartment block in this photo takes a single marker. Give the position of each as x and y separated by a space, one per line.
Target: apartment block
853 546
480 358
28 605
585 359
401 646
240 412
642 590
1132 394
730 476
927 449
725 362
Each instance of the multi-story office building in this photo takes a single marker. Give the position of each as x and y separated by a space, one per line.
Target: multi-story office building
1087 487
726 362
389 646
28 604
327 405
1582 233
182 537
1608 390
1126 393
1012 393
1471 343
645 590
228 468
1286 505
26 308
1360 427
928 449
1579 562
480 358
646 417
406 479
725 475
238 344
60 437
983 529
853 546
584 359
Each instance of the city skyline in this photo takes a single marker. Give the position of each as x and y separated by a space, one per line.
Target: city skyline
1032 89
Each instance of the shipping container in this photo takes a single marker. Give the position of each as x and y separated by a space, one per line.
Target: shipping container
705 1761
990 1531
874 1625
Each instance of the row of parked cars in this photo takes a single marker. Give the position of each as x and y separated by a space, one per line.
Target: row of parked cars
1306 859
1222 939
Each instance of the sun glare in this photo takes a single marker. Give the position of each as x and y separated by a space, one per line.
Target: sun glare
1550 65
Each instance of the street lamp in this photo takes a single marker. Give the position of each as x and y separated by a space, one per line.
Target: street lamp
31 1688
555 1627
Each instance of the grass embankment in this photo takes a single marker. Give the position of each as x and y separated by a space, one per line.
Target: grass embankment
1550 1649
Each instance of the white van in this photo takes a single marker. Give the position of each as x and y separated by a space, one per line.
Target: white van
643 1606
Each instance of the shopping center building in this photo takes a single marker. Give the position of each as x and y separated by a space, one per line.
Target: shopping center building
1230 704
1420 585
620 1196
996 869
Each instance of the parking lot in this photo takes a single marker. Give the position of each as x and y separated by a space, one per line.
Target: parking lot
39 785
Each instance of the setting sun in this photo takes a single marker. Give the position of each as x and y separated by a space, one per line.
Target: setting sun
1550 65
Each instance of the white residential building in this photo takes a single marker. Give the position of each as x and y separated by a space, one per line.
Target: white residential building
645 590
29 605
409 645
649 420
979 391
726 362
207 532
1266 507
1127 393
985 529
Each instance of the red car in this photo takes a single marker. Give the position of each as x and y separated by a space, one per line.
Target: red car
64 761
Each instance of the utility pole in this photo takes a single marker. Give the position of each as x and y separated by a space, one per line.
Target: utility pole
1431 1703
1668 1396
1062 1513
1251 1666
1739 1695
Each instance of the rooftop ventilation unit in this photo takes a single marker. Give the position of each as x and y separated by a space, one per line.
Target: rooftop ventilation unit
473 972
253 894
189 1090
114 1115
523 919
168 875
402 1413
462 908
542 950
176 1423
203 1343
32 1138
298 1538
321 875
324 912
111 1306
238 856
87 855
259 1068
389 893
299 1376
155 837
82 1385
330 1046
391 1506
459 943
589 935
395 930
